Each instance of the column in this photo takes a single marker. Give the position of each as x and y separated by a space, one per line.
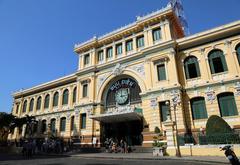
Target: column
20 108
35 105
60 91
70 99
232 62
147 68
42 103
173 75
80 62
134 44
28 105
93 57
150 37
169 126
146 38
165 30
78 91
92 88
51 101
234 53
124 47
104 54
206 74
114 50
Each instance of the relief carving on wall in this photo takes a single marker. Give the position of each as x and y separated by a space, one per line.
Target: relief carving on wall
118 69
210 94
100 80
139 68
237 89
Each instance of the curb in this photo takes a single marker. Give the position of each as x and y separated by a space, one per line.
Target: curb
154 158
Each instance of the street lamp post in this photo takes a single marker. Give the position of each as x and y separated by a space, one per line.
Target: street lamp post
175 100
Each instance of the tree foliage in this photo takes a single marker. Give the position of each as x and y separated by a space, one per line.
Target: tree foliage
217 125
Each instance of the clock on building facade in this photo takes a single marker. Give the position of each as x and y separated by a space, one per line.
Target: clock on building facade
122 92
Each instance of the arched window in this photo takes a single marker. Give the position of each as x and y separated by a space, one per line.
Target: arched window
24 106
65 97
217 61
55 99
191 67
198 108
31 105
72 123
44 126
53 125
39 102
63 124
238 53
227 104
46 101
74 94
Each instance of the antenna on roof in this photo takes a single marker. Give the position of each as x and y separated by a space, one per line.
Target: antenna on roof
179 11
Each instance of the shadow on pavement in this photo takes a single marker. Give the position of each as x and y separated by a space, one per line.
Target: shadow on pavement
10 157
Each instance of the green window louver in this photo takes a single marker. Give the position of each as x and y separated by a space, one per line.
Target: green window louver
119 49
140 41
238 54
63 124
217 62
31 105
74 95
86 59
109 52
198 108
227 104
85 90
129 45
161 72
164 111
83 121
191 67
55 99
100 56
156 33
39 102
65 97
46 101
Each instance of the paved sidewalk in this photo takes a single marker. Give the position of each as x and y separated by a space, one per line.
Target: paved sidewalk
149 156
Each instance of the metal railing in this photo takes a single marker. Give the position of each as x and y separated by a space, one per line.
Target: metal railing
202 139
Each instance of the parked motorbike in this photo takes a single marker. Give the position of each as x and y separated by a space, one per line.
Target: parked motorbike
230 154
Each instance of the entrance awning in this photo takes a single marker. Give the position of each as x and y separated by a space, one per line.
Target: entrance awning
115 117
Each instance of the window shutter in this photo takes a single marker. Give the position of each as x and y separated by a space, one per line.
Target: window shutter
238 54
161 72
227 105
199 108
211 65
164 111
197 68
224 62
186 70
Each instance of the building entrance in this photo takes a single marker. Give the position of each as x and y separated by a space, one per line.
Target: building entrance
130 131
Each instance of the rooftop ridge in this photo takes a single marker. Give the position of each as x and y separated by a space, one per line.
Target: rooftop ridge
139 18
23 90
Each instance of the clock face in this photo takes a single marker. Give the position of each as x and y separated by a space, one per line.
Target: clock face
121 96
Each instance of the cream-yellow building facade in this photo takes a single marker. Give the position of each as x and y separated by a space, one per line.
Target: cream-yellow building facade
140 77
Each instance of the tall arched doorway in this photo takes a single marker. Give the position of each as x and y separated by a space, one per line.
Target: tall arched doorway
121 117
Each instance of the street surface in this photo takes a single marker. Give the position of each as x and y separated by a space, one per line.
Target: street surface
51 160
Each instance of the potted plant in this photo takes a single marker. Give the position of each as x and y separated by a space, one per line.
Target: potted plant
159 147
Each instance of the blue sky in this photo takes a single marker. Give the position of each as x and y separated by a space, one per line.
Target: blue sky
37 37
